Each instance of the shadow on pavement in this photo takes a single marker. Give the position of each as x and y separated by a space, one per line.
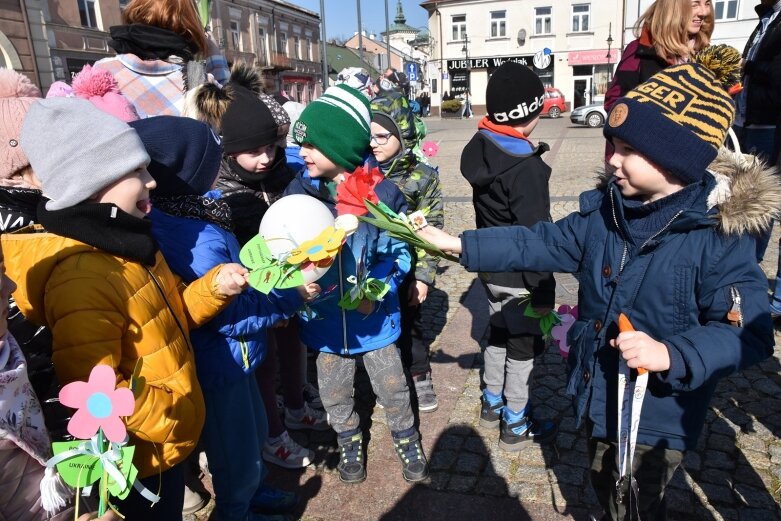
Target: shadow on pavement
472 489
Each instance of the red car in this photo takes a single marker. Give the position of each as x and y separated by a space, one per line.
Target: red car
554 103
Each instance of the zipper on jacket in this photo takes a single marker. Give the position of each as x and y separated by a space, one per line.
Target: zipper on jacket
170 308
244 351
344 315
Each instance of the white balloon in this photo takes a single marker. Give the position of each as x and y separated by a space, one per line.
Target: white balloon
292 220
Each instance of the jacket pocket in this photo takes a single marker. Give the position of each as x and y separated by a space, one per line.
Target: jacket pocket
580 355
682 292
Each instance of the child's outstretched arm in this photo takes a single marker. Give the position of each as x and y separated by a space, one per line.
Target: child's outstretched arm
205 297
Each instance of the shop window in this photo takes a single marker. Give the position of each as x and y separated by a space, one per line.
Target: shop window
458 23
580 17
498 24
725 9
87 13
283 43
543 17
235 35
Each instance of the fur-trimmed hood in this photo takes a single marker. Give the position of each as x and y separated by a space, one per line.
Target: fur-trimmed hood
745 196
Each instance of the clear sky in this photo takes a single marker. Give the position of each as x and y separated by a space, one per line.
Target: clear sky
341 17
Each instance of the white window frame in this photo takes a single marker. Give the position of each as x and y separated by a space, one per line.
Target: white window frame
235 30
283 43
308 49
581 20
458 28
297 46
543 19
724 5
498 24
95 11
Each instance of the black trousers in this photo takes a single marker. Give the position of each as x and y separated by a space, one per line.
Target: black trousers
653 469
414 349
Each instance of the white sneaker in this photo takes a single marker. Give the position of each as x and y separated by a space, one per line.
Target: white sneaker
306 418
285 452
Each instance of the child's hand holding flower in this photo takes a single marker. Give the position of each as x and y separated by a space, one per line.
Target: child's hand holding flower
640 350
309 292
442 240
232 279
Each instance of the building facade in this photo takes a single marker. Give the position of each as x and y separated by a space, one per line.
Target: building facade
735 20
564 41
280 38
16 46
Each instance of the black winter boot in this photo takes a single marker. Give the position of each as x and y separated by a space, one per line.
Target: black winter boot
352 464
414 466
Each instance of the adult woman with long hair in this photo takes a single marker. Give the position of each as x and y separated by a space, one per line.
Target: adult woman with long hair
161 50
669 32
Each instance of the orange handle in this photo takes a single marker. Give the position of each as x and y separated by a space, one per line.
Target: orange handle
625 325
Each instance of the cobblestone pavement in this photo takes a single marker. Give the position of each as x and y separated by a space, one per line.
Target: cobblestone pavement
735 473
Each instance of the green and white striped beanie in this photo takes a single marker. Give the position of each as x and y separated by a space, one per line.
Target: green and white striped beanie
337 124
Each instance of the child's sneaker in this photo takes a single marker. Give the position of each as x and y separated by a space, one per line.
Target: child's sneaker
424 389
352 465
312 396
490 410
270 500
414 466
285 452
518 430
306 418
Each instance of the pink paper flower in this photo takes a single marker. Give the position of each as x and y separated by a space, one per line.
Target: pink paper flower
99 405
430 149
568 315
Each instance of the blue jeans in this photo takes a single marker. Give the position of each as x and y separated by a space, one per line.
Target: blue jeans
234 433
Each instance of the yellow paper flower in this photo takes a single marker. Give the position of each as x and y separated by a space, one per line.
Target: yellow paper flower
323 246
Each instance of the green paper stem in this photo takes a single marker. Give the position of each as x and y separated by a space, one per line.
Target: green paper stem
103 480
547 321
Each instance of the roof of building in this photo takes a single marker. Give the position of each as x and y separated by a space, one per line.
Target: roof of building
400 22
296 8
339 57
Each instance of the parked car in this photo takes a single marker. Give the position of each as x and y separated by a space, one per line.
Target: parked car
554 103
593 115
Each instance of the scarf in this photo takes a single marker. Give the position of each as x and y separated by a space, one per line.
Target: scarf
105 227
150 43
503 130
271 182
202 208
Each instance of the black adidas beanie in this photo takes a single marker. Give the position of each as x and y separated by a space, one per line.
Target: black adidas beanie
514 94
247 123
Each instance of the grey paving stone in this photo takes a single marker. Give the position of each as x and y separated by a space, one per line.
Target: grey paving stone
461 484
470 463
443 459
492 486
753 496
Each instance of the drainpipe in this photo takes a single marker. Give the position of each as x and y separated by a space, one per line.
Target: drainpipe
37 74
323 58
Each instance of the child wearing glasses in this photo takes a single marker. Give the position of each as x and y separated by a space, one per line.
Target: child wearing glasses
510 187
393 138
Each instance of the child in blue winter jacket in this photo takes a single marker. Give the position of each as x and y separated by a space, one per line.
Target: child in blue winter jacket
193 229
334 135
668 240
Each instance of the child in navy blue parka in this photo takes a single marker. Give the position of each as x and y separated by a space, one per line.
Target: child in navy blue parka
193 229
669 240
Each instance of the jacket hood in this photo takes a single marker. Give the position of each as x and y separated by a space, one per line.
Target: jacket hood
744 197
397 109
31 255
484 159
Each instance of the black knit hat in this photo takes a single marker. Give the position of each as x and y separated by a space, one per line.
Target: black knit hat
247 123
514 94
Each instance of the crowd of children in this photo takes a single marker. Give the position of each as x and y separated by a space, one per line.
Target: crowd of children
121 240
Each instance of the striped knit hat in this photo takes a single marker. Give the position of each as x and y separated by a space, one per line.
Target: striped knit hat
337 124
678 119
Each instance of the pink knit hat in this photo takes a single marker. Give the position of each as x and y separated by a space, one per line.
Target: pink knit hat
100 88
17 93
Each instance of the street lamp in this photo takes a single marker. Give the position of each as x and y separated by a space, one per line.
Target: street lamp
609 44
465 50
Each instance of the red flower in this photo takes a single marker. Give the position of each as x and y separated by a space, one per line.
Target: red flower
355 188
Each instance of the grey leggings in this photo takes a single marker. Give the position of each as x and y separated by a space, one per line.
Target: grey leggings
335 376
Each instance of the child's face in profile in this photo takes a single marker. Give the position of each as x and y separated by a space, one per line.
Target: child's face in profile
637 177
384 144
130 193
257 160
317 164
7 286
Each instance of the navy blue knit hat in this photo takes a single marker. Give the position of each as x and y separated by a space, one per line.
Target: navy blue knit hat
185 154
678 119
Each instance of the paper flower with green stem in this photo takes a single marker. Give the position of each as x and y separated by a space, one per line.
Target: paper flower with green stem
323 247
99 405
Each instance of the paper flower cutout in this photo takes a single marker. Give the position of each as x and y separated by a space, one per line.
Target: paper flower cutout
568 315
356 187
323 247
99 405
430 149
